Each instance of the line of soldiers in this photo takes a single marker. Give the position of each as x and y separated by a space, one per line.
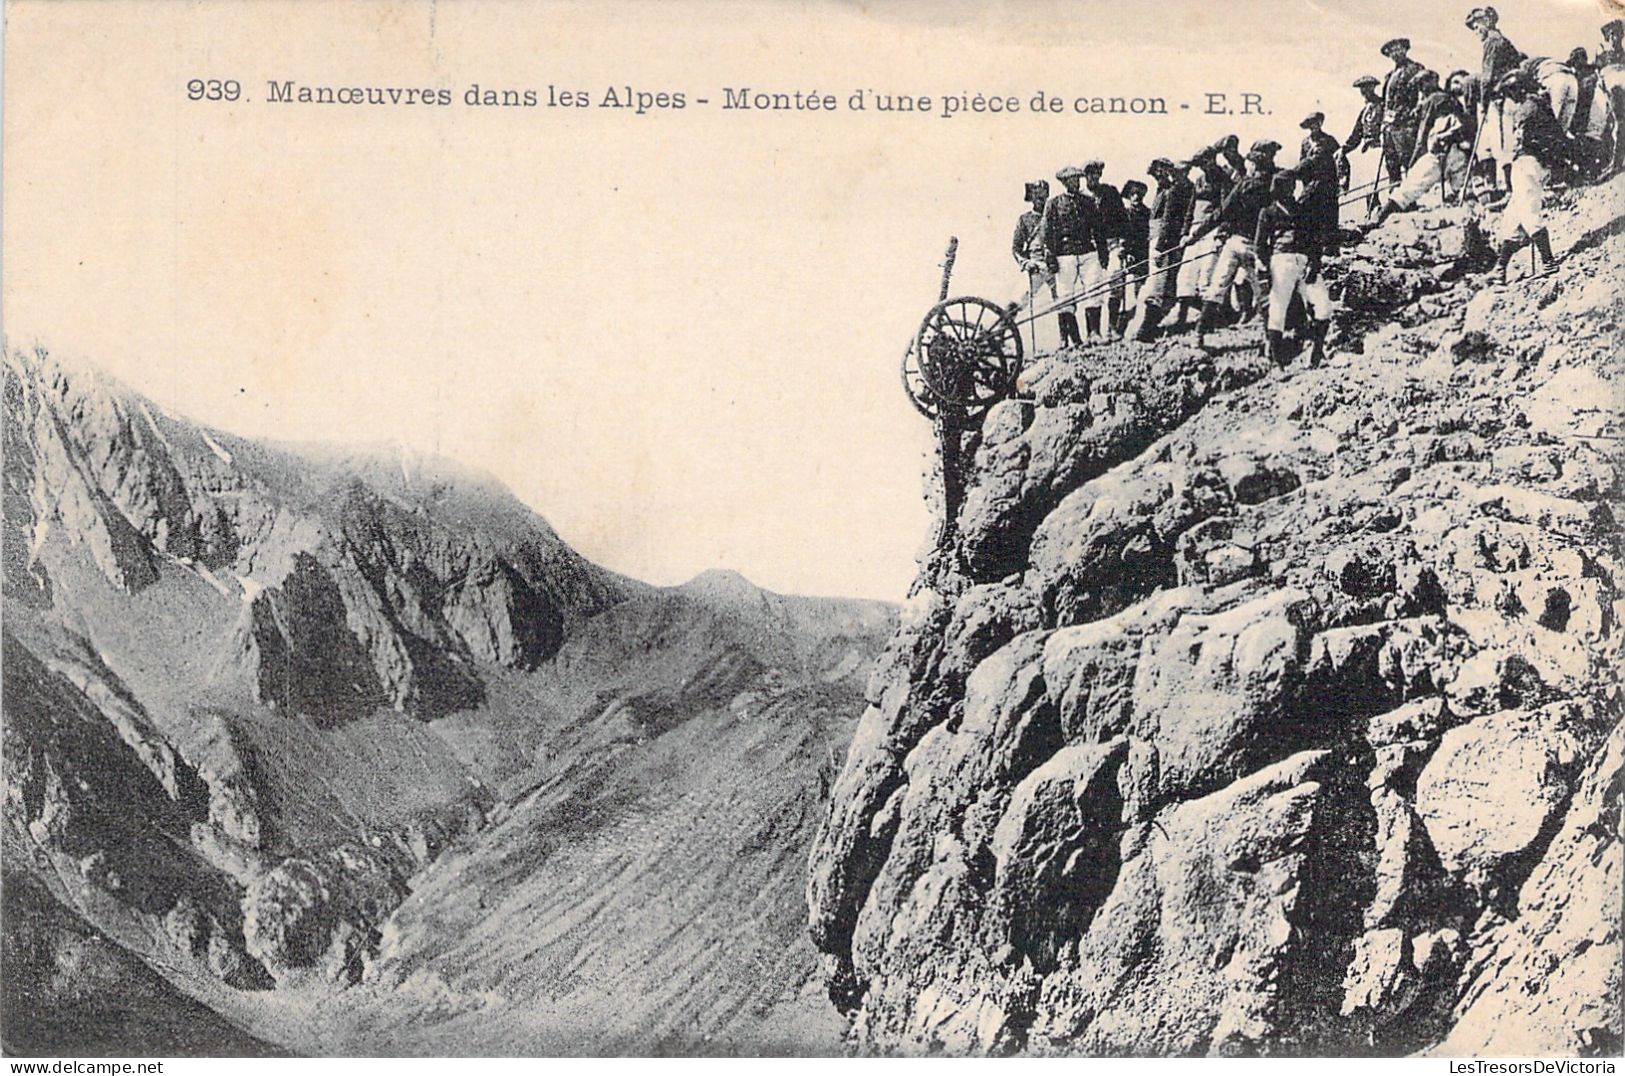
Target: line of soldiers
1221 223
1227 231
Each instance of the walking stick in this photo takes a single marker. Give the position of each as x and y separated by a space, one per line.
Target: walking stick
1382 160
1472 155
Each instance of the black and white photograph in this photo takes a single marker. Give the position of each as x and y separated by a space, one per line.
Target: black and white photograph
812 529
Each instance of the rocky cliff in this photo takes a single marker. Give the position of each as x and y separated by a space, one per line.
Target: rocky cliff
1265 711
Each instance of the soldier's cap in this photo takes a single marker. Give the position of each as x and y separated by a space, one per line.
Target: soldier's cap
1427 77
1095 165
1160 163
1071 171
1390 47
1613 28
1367 80
1264 145
1314 119
1133 185
1457 73
1038 188
1482 14
1579 57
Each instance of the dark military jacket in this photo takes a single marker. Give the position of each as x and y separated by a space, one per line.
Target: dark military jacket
1285 227
1238 215
1400 93
1113 217
1442 116
1072 225
1028 243
1536 132
1136 236
1319 155
1171 210
1367 133
1500 56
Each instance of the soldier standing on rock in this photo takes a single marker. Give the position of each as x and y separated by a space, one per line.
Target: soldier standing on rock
1237 222
1136 251
1537 142
1027 246
1212 182
1325 172
1074 239
1114 220
1289 246
1400 98
1170 215
1367 133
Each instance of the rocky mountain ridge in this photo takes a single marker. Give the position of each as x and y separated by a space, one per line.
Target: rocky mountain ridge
1265 711
256 694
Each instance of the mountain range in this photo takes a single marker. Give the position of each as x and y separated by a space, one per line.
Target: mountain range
326 750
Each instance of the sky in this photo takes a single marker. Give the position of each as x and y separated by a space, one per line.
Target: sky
675 335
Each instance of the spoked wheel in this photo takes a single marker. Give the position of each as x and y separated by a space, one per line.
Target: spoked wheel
915 384
969 352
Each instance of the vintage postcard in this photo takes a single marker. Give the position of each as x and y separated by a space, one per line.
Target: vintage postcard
813 528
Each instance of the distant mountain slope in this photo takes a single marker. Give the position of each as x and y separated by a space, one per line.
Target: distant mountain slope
254 692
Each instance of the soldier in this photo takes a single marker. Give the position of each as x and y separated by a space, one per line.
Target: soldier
1537 142
1464 88
1211 184
1027 246
1367 133
1441 149
1500 57
1114 219
1589 127
1560 82
1136 250
1074 239
1289 248
1325 172
1170 215
1237 223
1612 53
1611 84
1228 160
1399 103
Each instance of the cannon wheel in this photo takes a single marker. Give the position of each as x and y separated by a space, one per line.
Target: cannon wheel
915 384
969 352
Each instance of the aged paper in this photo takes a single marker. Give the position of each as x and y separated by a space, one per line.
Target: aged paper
812 528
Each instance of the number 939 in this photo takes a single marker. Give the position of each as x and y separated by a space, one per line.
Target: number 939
213 89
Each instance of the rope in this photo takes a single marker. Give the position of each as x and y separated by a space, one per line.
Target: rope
1112 285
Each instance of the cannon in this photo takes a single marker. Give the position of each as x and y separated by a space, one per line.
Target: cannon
966 355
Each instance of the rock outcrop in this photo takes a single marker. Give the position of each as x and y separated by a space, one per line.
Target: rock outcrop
1264 711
